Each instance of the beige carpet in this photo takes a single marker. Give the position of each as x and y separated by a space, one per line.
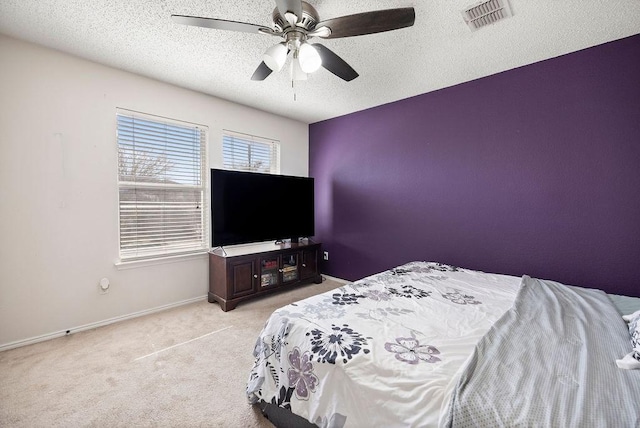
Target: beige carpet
183 367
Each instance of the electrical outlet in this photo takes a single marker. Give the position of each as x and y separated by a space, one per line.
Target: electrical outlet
325 255
103 286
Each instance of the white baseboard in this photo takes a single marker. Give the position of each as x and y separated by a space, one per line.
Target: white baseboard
49 336
333 278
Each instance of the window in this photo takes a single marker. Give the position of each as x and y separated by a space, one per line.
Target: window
162 181
249 153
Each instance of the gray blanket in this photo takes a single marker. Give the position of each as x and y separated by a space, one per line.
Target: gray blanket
550 362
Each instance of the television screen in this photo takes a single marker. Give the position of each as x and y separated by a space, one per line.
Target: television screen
252 207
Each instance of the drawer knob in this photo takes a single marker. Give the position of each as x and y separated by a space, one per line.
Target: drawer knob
255 276
304 265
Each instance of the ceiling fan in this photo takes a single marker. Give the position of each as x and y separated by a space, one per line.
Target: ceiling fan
296 21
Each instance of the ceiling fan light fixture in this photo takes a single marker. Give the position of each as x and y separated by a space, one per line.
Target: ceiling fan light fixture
296 71
309 58
275 56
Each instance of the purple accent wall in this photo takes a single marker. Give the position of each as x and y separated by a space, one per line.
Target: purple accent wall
531 171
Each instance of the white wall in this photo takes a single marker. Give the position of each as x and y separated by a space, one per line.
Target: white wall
58 189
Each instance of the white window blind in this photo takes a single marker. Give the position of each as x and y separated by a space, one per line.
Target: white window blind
162 180
243 152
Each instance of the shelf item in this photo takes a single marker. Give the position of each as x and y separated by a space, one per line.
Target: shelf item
270 264
268 279
292 276
244 275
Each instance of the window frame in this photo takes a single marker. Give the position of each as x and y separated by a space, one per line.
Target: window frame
173 249
252 141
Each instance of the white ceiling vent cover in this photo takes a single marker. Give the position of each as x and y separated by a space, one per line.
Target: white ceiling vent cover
485 13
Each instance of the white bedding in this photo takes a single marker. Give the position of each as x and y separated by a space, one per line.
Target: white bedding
549 362
385 350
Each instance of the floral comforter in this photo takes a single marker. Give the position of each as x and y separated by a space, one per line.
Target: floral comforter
386 350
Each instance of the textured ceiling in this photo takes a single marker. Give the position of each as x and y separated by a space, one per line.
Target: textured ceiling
438 51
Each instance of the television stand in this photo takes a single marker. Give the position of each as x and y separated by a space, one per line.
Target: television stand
241 273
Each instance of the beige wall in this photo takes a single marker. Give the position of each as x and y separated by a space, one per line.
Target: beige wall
58 189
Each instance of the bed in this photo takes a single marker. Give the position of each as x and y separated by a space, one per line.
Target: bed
428 344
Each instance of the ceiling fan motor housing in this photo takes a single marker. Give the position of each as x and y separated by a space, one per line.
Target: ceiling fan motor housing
307 22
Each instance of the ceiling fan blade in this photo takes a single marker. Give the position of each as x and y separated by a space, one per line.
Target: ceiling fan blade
335 64
369 22
293 6
262 72
220 24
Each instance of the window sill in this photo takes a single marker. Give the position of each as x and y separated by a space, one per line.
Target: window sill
133 264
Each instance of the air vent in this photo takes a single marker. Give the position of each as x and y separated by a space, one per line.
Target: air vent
486 13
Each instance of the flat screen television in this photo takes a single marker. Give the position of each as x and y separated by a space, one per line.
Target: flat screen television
252 207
